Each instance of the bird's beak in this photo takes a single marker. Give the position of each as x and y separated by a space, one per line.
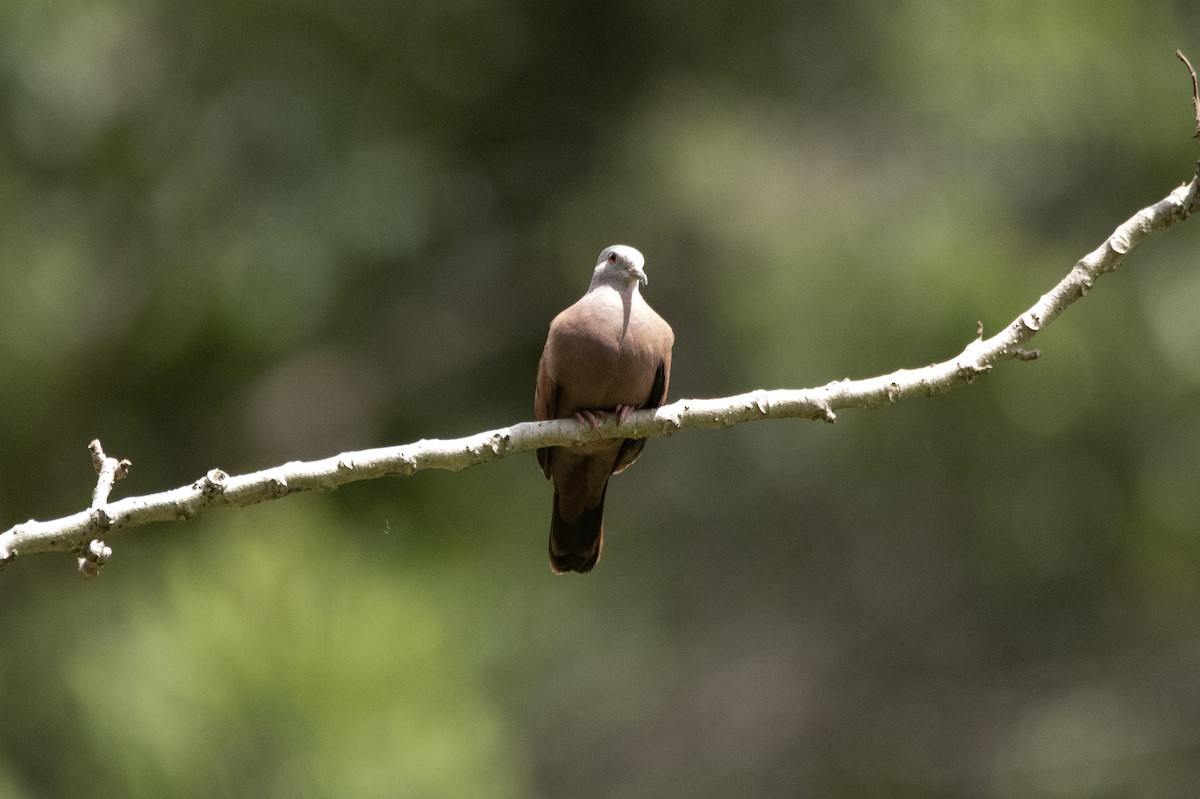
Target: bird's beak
640 275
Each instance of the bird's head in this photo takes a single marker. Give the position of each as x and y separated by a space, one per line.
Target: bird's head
621 266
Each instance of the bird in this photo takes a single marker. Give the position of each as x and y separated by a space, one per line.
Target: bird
609 353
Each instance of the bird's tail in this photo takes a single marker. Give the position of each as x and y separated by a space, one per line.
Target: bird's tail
575 546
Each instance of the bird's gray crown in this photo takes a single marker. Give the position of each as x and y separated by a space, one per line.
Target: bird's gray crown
620 266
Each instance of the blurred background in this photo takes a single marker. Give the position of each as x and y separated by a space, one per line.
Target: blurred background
234 234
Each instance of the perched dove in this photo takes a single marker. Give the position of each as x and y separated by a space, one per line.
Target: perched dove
608 353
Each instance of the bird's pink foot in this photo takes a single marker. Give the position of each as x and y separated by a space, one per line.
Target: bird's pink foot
593 418
623 412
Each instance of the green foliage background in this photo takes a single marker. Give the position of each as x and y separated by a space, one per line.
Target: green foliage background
238 233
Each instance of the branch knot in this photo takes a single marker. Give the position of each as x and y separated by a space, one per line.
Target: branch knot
212 483
277 486
92 557
101 519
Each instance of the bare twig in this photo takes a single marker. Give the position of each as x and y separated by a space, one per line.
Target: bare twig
95 553
110 470
1195 90
216 488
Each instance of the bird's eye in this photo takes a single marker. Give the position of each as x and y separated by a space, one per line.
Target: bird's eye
612 257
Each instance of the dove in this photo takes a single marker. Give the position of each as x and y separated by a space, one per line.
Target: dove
609 353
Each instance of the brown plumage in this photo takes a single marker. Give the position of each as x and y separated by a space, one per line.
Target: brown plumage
608 353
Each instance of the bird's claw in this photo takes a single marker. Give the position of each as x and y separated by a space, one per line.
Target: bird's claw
596 418
592 418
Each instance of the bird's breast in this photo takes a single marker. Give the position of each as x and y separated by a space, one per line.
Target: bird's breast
604 366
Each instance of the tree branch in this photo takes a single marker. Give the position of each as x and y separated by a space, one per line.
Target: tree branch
79 532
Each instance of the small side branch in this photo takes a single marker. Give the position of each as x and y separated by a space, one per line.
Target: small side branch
96 553
1195 90
110 470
